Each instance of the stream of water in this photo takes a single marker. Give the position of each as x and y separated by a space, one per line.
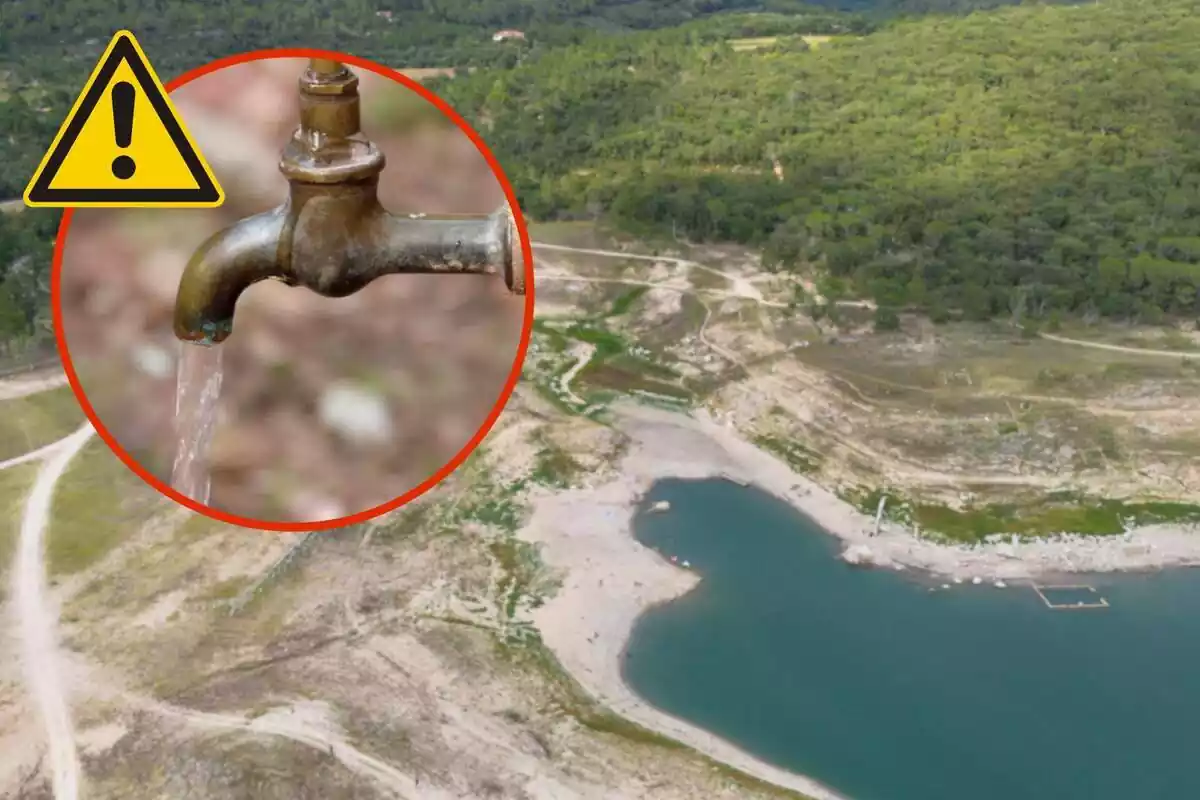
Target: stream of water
197 389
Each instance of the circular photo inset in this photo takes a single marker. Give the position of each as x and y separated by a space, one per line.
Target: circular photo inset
334 339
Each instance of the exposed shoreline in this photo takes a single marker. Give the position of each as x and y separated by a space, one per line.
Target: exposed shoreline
611 579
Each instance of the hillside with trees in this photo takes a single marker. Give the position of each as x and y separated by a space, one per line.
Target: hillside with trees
945 163
1026 161
48 49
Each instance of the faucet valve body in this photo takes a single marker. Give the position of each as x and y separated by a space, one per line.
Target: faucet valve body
332 236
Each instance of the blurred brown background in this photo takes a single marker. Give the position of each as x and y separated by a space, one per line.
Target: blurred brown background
328 406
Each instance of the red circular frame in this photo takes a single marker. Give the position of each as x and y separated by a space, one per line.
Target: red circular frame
440 474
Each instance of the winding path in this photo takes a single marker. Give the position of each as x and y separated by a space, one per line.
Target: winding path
13 387
32 455
586 351
1120 348
36 619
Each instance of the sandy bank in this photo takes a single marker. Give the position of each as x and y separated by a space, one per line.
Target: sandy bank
611 579
1146 548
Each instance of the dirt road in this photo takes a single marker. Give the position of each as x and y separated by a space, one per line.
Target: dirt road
1119 348
12 388
33 455
36 618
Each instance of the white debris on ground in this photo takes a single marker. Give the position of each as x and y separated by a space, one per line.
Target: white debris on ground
356 413
154 361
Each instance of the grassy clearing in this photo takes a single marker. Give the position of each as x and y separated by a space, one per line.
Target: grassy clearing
97 503
626 300
27 423
1035 516
1063 514
573 234
520 573
555 467
800 458
708 280
617 365
625 378
760 42
752 43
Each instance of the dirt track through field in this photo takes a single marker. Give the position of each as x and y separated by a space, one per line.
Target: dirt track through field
37 619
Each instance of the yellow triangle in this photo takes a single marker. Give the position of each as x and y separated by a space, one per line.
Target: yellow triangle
123 144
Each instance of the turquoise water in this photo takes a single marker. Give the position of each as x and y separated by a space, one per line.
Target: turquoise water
873 685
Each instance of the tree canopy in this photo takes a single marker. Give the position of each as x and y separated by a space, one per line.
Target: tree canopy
1022 160
1034 158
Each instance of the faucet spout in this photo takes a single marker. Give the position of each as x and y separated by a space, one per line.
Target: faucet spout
332 236
220 270
479 245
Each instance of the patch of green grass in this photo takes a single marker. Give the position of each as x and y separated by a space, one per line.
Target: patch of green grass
897 509
800 458
554 467
606 342
198 526
550 337
650 368
1034 516
97 503
753 43
1060 513
703 279
626 300
520 567
227 589
616 364
612 375
487 501
27 423
405 523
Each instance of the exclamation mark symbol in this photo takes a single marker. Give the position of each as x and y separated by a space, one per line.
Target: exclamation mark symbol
123 96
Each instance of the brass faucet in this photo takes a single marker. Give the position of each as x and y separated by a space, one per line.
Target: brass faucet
332 235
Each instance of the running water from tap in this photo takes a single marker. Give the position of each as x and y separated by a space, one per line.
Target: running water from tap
197 389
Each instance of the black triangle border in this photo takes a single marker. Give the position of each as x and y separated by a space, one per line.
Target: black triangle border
123 50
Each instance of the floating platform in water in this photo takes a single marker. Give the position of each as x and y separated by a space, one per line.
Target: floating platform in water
1065 597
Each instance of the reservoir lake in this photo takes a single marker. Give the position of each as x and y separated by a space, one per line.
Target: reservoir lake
870 683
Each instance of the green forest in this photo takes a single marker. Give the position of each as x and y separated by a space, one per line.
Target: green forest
1028 160
48 48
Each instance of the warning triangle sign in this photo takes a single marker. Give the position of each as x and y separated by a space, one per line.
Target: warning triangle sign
123 144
